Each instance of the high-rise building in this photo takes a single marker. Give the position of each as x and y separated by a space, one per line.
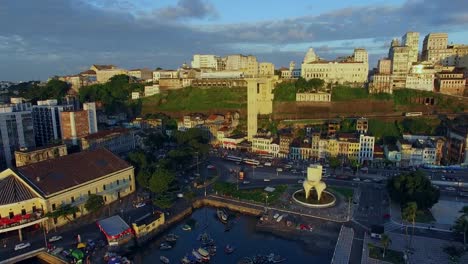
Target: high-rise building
411 40
47 122
206 62
91 108
16 129
435 47
75 125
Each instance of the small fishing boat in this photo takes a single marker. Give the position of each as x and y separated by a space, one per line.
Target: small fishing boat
229 249
171 238
280 218
204 254
211 249
185 260
165 246
164 260
272 258
222 215
186 228
197 255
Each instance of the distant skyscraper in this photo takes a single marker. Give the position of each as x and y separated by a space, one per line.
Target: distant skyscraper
91 108
46 121
16 129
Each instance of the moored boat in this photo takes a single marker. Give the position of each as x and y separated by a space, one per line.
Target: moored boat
185 260
229 249
197 255
165 246
164 260
171 238
204 254
186 228
222 215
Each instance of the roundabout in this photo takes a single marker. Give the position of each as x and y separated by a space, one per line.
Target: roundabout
313 194
327 199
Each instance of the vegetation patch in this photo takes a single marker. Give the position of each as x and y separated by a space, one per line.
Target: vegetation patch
424 216
196 99
255 195
391 256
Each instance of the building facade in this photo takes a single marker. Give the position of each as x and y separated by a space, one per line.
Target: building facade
47 122
27 156
313 97
118 141
75 125
90 107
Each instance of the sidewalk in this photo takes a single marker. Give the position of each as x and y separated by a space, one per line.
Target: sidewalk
396 219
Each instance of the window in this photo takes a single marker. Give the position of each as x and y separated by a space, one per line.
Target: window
23 211
53 207
72 199
11 215
104 187
89 192
118 181
55 220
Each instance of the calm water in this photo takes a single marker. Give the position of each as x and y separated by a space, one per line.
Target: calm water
242 236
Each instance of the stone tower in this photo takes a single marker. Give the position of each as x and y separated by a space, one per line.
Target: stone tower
259 101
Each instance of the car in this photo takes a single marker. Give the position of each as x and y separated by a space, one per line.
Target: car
326 175
22 245
300 181
279 169
268 164
210 167
55 238
276 216
356 179
450 189
245 182
266 180
140 204
367 180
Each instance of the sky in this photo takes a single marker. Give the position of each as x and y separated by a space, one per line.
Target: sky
40 39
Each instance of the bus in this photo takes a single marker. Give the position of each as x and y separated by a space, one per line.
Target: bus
413 114
266 156
252 162
233 158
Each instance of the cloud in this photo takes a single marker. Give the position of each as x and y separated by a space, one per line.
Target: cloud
187 9
48 37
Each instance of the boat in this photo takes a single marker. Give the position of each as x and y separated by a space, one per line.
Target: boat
272 258
280 218
208 242
185 260
171 238
197 255
186 228
211 249
222 215
164 259
204 254
165 246
229 249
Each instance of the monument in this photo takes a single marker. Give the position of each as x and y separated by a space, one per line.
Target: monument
313 182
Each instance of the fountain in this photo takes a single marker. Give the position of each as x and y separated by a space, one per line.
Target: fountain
318 199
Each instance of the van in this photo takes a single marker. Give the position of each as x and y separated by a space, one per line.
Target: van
268 164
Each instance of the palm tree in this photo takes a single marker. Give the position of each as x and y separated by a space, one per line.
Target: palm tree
409 214
386 242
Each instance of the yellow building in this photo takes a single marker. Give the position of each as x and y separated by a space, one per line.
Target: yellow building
259 101
105 72
30 192
149 222
141 74
266 69
27 156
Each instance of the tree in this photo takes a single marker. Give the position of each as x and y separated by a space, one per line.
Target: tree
334 163
94 202
160 180
461 224
138 159
413 187
386 242
143 178
63 211
409 214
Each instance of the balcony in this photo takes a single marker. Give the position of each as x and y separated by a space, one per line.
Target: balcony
114 187
20 221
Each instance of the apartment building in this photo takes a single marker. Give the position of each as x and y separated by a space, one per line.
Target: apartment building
16 131
90 107
75 125
411 40
450 82
46 121
141 74
207 61
457 145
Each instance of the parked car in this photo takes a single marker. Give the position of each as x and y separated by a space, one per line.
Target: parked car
279 169
356 179
55 238
140 204
450 189
22 245
246 182
367 180
300 181
266 180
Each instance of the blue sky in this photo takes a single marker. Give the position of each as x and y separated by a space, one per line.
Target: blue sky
39 39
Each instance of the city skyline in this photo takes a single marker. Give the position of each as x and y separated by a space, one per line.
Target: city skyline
65 37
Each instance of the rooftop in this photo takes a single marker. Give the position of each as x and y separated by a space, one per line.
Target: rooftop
113 225
105 133
13 191
28 150
103 67
55 175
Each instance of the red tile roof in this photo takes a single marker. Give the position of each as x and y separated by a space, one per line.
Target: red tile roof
55 175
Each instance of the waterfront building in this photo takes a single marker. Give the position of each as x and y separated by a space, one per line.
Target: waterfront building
353 69
46 186
116 231
75 125
141 74
46 121
416 151
16 130
26 156
261 145
147 221
313 97
118 141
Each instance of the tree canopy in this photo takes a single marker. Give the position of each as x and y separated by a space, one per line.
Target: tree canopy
413 187
94 202
114 94
286 91
53 89
160 180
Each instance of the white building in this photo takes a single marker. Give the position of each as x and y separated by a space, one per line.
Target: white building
92 117
222 75
261 145
165 74
151 90
205 61
366 148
